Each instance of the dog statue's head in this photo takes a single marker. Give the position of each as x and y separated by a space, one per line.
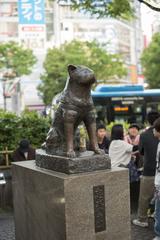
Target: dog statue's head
81 74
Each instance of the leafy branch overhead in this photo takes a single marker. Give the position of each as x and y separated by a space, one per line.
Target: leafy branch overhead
106 66
113 8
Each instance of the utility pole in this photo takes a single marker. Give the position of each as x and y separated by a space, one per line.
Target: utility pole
57 25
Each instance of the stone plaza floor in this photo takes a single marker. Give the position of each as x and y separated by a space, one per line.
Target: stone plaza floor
7 231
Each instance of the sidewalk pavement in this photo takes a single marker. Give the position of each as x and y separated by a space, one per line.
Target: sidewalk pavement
139 233
7 231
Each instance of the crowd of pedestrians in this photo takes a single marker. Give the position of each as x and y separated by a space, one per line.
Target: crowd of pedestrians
140 153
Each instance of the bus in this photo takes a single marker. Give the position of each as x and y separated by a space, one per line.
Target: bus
128 103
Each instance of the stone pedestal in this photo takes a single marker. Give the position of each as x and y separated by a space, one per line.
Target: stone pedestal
55 206
87 161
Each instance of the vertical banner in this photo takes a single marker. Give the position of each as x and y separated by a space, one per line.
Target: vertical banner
133 74
32 29
31 11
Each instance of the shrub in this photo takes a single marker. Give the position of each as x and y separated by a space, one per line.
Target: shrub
9 133
29 125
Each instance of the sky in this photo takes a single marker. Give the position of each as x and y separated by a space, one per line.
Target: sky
148 18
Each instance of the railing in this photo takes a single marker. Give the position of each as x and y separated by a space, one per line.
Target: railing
7 163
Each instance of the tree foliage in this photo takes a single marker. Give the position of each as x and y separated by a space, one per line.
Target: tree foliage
90 54
8 129
15 58
29 125
34 127
151 62
113 8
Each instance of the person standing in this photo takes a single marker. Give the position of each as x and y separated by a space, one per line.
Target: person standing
133 134
120 151
157 183
135 165
133 137
148 148
24 152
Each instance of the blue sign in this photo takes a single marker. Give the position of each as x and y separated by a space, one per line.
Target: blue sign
31 11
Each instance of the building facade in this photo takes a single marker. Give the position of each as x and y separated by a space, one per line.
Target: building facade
62 24
8 20
121 37
33 34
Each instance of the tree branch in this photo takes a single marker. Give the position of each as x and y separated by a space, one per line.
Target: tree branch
150 6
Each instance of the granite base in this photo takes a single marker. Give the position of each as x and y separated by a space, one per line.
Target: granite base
86 162
55 206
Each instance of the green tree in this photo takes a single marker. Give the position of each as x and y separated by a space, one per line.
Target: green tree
34 127
151 62
90 54
113 8
28 125
16 59
9 129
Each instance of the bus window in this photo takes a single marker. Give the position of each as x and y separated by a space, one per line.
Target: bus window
118 97
131 113
121 113
153 107
101 115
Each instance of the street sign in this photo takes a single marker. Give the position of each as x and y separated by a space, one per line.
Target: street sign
33 36
10 86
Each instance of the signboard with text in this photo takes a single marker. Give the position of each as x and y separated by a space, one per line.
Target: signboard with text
33 36
31 11
32 29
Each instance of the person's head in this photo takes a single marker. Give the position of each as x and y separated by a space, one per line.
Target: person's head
101 131
156 129
133 130
117 132
152 116
24 145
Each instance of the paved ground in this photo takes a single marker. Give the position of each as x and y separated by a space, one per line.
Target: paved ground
7 229
139 233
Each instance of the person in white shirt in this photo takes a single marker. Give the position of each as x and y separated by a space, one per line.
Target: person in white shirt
120 151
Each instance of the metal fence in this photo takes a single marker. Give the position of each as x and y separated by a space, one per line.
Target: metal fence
6 158
6 199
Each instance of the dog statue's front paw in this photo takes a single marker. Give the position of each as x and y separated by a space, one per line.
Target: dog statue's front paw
43 146
99 151
71 154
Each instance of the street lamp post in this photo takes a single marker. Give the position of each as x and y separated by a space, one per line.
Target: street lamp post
6 77
4 94
3 81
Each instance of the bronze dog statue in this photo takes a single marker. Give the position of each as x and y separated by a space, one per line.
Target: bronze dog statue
75 105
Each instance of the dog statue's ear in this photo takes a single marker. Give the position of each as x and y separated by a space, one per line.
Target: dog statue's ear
71 68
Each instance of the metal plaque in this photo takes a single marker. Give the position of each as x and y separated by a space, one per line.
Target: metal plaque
99 208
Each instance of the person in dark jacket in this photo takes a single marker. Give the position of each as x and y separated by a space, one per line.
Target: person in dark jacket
103 140
148 148
24 151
